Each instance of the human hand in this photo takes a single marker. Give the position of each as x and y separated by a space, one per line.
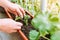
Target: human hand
12 8
9 25
16 9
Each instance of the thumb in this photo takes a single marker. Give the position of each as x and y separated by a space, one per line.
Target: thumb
19 24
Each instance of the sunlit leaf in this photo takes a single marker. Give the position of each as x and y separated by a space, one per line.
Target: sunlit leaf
56 36
33 35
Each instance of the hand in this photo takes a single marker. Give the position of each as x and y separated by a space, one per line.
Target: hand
12 8
9 25
16 9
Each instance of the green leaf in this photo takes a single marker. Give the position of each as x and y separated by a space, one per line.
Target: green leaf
56 36
40 22
26 17
37 21
43 31
13 0
57 4
17 18
54 18
33 35
52 29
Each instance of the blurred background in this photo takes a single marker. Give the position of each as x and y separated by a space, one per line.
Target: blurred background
34 6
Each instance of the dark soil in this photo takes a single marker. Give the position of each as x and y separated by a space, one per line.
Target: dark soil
26 28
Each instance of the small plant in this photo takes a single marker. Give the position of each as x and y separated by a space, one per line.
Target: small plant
25 19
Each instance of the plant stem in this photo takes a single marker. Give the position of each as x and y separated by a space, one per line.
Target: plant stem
45 37
18 1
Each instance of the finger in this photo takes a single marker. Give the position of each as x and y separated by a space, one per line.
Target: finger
14 11
22 10
16 14
11 31
19 24
20 13
16 27
14 31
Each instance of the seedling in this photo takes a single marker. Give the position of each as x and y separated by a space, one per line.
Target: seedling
25 19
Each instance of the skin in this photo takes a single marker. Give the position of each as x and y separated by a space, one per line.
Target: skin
8 25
